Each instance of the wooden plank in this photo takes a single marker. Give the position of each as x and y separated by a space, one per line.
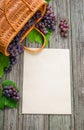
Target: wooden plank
35 122
62 10
1 113
77 20
1 119
12 119
61 122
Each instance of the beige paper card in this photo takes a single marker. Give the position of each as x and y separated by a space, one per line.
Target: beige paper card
46 82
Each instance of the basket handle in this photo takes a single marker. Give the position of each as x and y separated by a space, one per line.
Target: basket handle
5 11
39 49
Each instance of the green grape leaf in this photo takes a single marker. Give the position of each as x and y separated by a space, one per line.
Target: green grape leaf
8 83
35 36
4 62
48 1
8 102
2 102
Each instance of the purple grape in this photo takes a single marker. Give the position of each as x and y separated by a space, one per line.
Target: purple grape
14 93
48 21
64 28
14 90
41 27
11 92
38 14
8 95
17 98
6 91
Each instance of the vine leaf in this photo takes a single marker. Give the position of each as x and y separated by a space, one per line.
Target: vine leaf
35 36
8 102
4 62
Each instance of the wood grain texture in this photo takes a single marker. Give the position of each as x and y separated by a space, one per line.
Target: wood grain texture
77 20
62 10
12 119
1 114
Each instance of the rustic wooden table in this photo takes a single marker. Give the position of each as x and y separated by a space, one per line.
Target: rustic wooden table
12 119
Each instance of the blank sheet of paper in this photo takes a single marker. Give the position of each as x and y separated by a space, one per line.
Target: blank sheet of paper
46 82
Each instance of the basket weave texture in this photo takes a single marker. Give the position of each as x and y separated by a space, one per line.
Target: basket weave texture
14 14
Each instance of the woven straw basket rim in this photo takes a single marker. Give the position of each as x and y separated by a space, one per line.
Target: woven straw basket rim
14 14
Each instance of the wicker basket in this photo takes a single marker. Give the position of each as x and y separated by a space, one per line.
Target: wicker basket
14 14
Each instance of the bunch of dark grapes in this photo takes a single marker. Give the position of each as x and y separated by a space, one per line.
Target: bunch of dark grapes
15 48
37 15
13 61
11 92
41 27
49 18
48 21
64 28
